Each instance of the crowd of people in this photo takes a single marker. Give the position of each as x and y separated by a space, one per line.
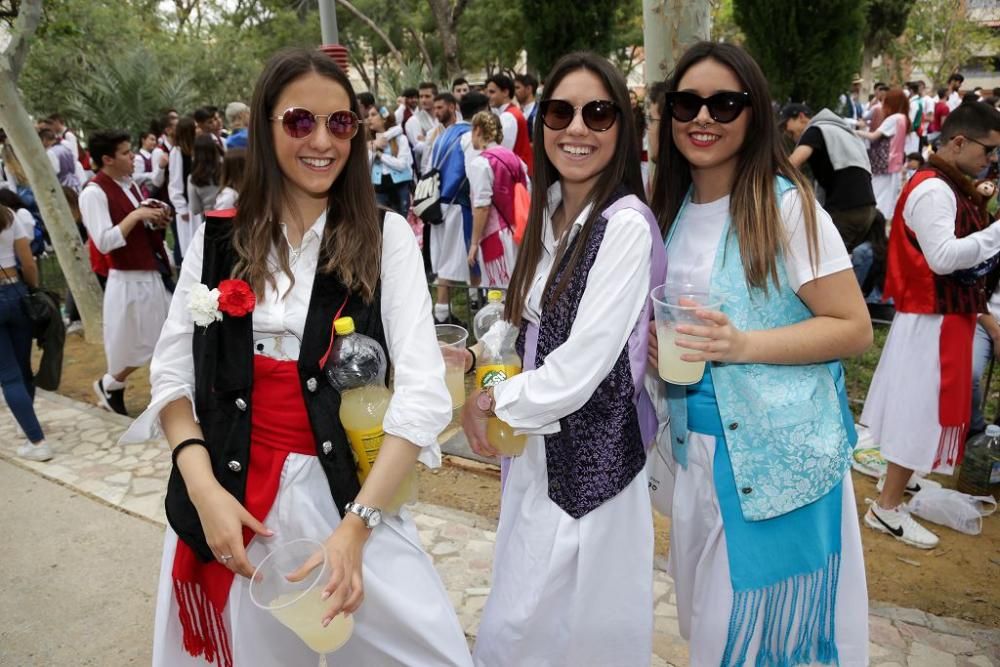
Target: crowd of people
323 203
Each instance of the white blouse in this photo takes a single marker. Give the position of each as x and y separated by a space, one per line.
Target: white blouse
176 186
420 407
617 287
930 212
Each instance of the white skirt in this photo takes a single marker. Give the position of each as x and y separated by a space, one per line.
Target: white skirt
449 254
887 188
901 409
406 618
135 307
568 592
699 565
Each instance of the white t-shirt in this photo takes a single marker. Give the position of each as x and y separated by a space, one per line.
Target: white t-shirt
480 176
889 126
692 250
22 227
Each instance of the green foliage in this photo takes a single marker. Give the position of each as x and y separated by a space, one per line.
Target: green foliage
126 93
557 27
808 50
885 20
724 28
491 35
940 39
627 37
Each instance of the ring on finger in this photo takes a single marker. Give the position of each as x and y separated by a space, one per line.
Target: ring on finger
224 559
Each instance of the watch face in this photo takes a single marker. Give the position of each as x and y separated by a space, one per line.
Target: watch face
374 518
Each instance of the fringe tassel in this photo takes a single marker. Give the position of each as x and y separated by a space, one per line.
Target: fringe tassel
204 628
496 271
798 625
951 446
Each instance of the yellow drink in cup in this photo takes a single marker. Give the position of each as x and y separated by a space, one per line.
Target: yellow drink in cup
304 618
676 304
298 605
452 339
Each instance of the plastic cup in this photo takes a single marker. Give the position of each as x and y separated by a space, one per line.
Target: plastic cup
674 304
298 605
452 339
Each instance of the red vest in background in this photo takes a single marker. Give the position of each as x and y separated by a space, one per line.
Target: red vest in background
522 146
143 244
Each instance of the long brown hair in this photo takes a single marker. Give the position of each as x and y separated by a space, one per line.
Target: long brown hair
621 175
206 161
753 207
352 239
895 102
184 135
6 218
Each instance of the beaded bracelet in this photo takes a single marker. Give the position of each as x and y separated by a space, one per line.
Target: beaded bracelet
182 445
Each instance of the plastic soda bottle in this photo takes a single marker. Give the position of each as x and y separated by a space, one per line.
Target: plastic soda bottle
980 471
357 369
497 361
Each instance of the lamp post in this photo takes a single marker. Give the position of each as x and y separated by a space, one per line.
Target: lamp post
331 36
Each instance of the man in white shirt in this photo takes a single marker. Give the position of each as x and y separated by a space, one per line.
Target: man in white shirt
941 249
955 82
61 158
136 300
525 89
420 125
500 91
407 104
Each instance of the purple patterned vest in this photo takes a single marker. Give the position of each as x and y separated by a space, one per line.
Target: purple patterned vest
602 446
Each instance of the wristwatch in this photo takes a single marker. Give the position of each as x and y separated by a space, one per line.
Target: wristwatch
486 402
371 516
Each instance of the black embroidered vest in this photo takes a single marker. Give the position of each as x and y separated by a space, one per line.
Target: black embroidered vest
223 362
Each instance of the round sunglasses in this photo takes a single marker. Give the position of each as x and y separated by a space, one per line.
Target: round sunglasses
722 107
598 115
299 123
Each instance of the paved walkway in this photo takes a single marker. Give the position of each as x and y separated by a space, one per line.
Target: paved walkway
133 478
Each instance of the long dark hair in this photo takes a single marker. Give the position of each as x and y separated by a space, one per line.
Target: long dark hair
234 166
352 240
756 220
206 161
6 218
622 175
184 135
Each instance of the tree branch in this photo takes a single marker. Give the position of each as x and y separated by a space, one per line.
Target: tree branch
28 18
421 46
374 26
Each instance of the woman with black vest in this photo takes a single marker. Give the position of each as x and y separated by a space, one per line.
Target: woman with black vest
260 455
572 580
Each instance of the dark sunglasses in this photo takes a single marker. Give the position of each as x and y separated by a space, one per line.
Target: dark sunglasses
722 107
989 150
598 115
299 123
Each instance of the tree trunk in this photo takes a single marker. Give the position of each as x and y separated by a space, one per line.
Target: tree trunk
446 18
867 58
73 258
669 28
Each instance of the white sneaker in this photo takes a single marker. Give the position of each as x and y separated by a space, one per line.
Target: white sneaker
900 525
914 486
32 452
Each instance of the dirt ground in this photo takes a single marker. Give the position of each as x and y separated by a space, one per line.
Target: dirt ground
956 579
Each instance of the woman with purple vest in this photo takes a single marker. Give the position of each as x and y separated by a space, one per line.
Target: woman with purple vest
572 580
493 175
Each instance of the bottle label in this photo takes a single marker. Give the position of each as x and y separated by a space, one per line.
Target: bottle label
365 445
491 375
995 473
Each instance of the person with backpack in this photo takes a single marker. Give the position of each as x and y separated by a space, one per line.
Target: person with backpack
494 176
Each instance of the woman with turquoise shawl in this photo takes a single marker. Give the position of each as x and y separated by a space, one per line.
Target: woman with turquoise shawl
764 546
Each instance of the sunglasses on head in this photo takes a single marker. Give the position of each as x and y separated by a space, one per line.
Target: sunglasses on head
299 123
598 115
722 107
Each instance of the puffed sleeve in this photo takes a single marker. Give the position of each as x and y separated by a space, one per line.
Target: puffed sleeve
421 406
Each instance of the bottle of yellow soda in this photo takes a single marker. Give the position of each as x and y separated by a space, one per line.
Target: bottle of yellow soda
357 369
497 361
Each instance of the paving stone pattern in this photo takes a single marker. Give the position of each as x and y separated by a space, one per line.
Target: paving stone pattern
133 478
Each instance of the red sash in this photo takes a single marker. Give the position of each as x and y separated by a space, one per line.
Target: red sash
279 426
